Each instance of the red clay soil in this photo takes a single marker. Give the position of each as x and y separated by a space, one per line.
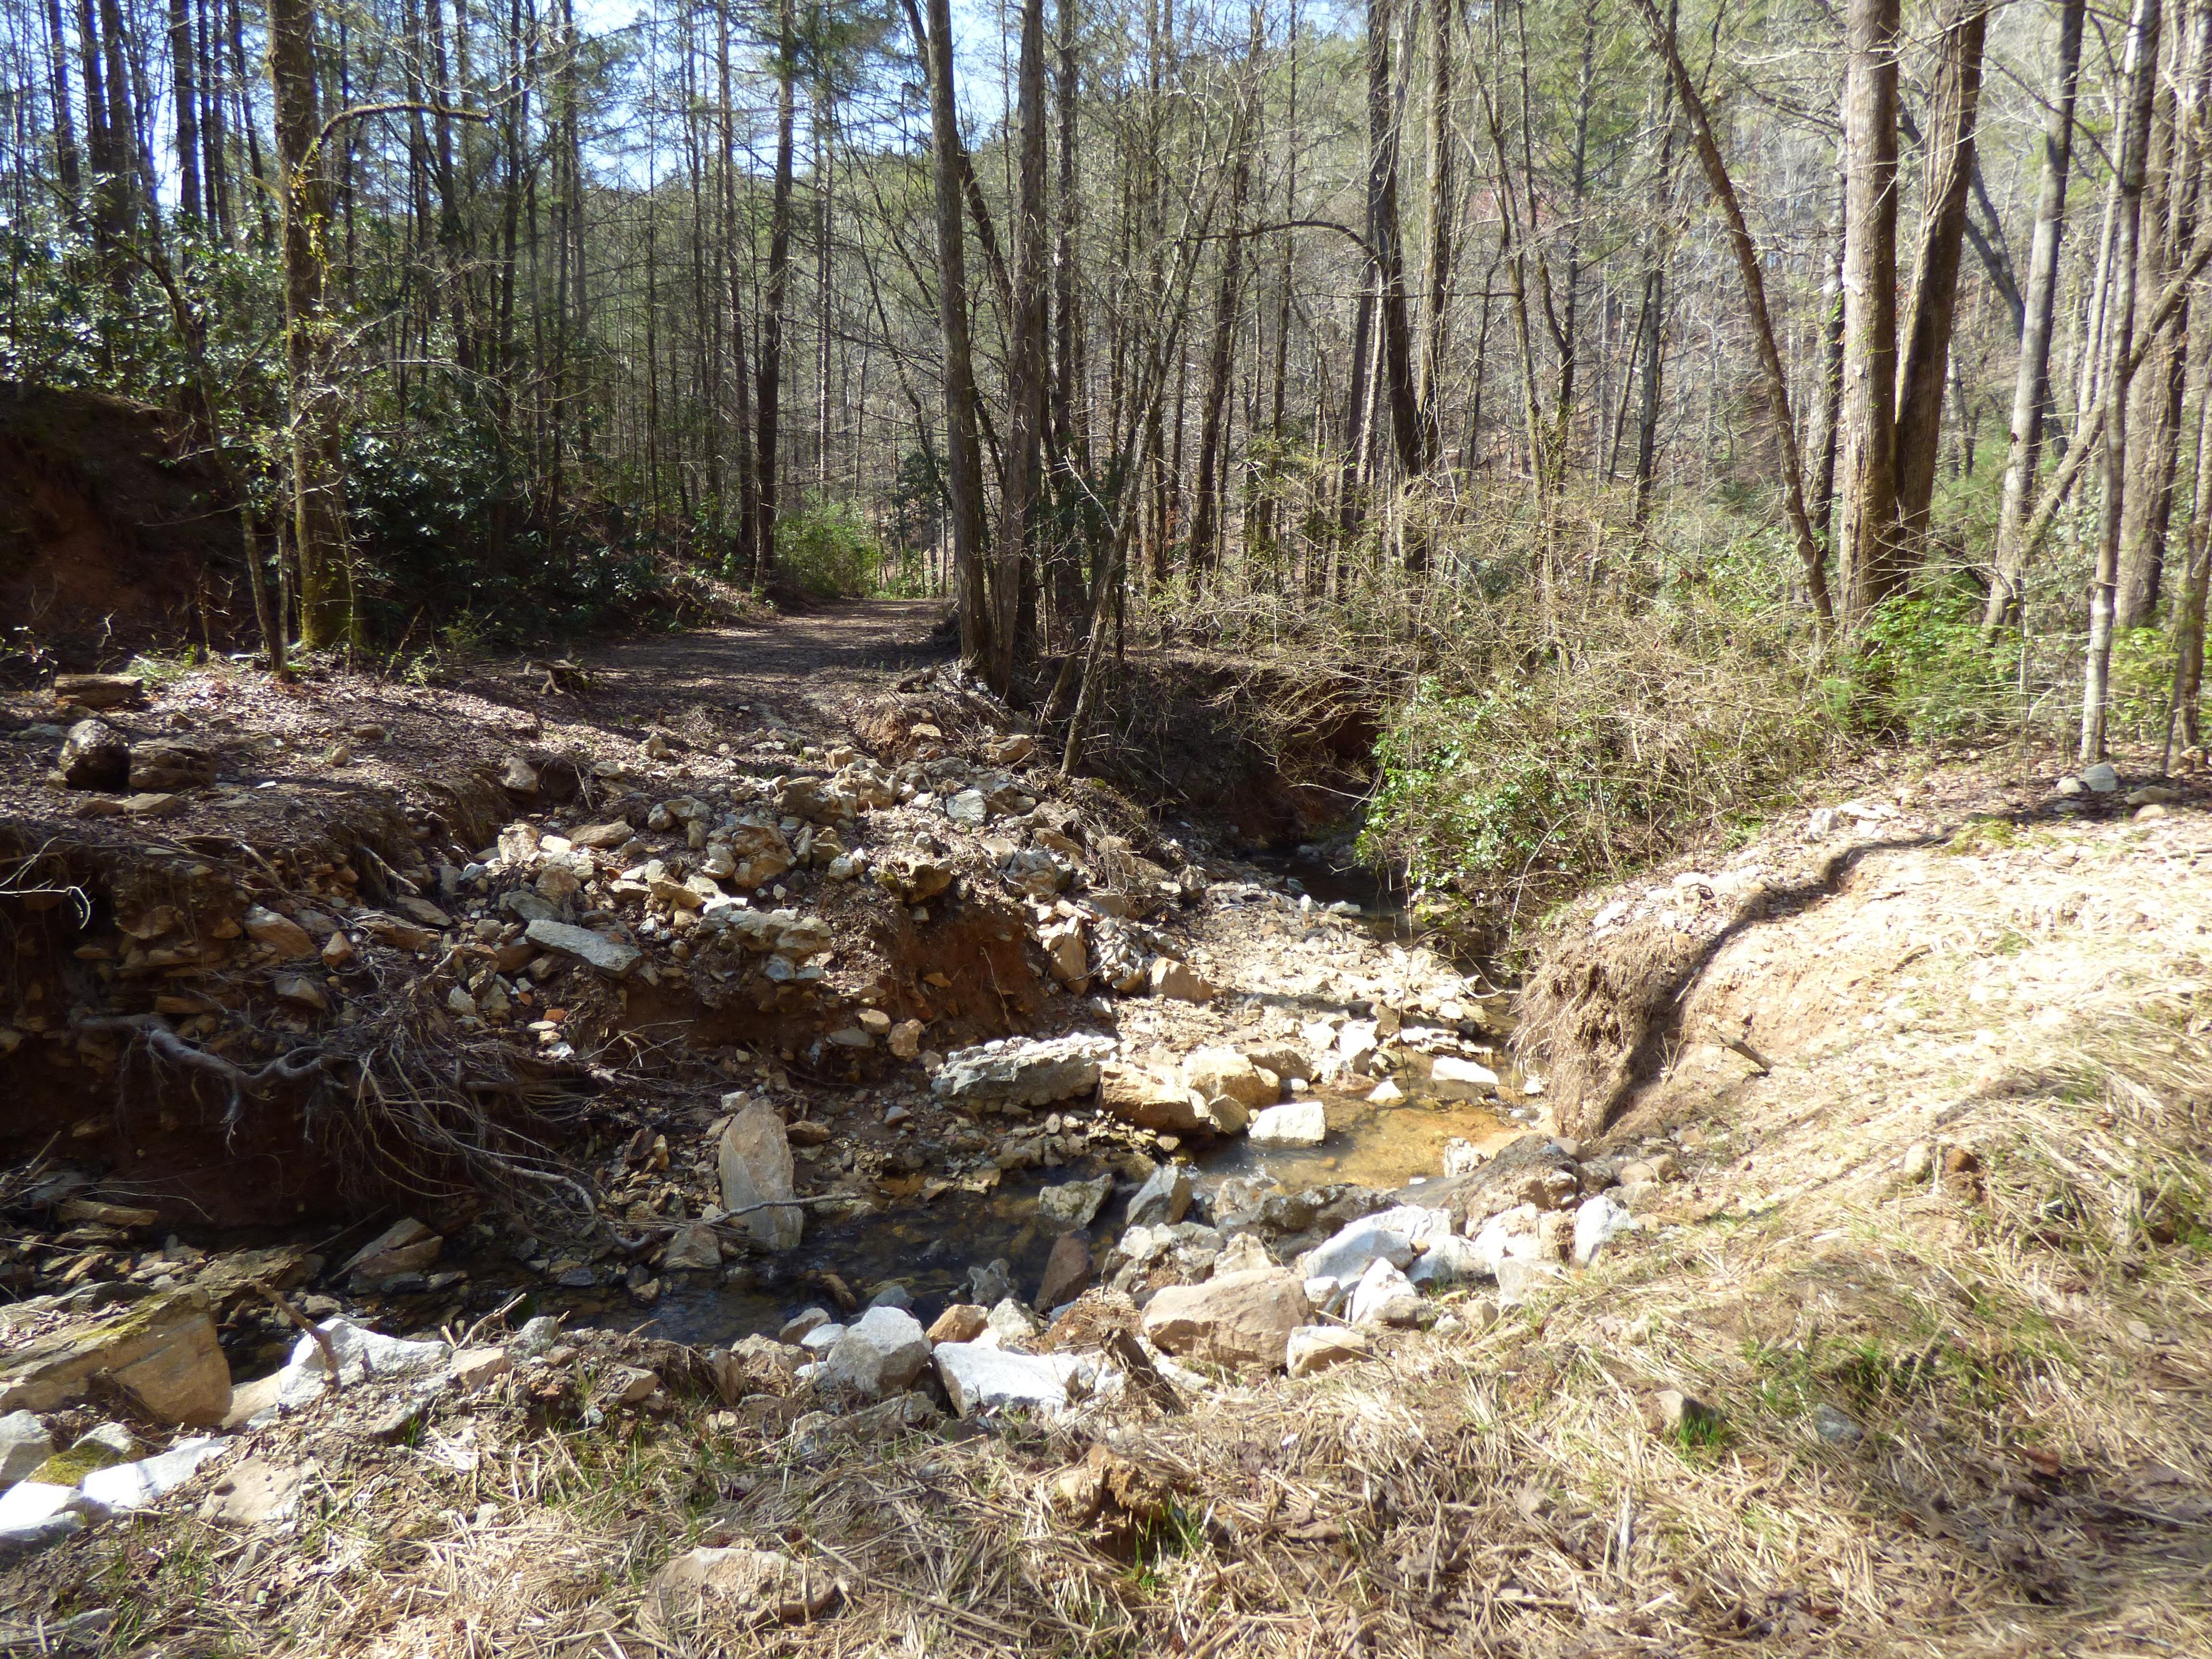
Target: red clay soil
113 538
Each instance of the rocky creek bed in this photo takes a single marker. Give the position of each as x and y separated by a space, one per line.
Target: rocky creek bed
687 1037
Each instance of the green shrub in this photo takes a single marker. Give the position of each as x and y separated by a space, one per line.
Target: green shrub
1603 755
827 549
1921 670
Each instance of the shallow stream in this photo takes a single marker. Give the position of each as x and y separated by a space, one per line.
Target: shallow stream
929 1247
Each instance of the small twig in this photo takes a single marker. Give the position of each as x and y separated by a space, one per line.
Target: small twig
469 1336
1742 1046
322 1337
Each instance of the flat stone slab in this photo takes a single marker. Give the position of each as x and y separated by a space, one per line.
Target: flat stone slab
980 1379
1299 1123
609 955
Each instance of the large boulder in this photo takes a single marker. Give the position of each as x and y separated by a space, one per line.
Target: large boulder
1164 1198
711 1591
363 1355
758 854
1284 1060
692 1248
755 1164
1531 1169
134 1485
1296 1123
1018 1072
36 1513
163 766
1597 1223
1179 982
1514 1235
99 691
1384 1297
1454 1079
95 755
1236 1319
980 1379
1317 1348
878 1354
163 1350
1076 1203
1395 1236
1139 1097
1068 1271
24 1444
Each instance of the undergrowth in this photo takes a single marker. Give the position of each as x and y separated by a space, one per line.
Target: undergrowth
1560 713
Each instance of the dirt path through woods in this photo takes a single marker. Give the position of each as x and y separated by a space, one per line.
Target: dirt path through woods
816 656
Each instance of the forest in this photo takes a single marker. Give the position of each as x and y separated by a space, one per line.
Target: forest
859 827
1632 405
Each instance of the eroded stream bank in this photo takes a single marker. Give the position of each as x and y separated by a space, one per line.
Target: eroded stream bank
379 955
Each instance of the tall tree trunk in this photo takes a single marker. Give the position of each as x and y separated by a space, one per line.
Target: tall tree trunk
185 99
1832 370
1651 314
1921 378
215 170
1578 199
452 224
317 514
746 553
964 463
1435 277
1384 239
1761 320
109 200
250 130
1866 533
772 304
1262 534
2189 605
2030 390
123 147
2142 91
67 165
2170 183
1206 513
1512 251
1025 358
1070 440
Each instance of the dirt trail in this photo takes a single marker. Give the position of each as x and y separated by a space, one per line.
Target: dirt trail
813 659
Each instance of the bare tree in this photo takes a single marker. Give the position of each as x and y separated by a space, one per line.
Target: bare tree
1935 280
1755 291
2141 89
964 461
2030 393
1866 538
